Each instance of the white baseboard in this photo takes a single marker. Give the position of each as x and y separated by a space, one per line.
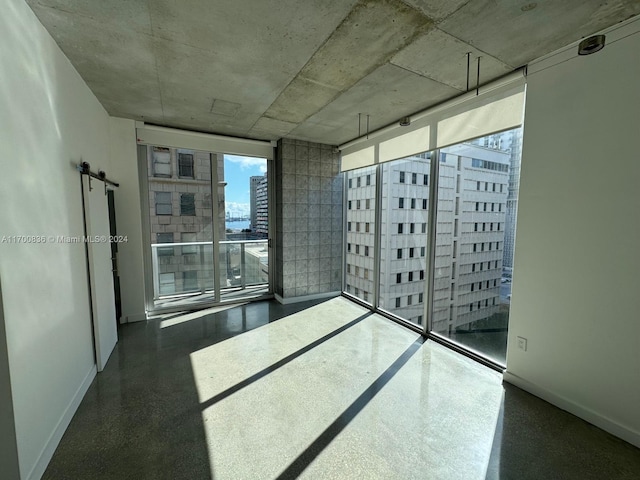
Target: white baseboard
54 439
625 433
304 298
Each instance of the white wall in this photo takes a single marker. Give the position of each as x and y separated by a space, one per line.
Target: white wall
49 121
124 168
577 262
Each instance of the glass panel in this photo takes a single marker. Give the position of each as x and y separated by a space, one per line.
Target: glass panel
477 198
180 218
361 217
403 251
243 200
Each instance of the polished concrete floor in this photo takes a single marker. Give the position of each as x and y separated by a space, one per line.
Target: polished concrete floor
316 390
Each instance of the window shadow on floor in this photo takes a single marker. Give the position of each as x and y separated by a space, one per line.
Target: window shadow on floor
141 416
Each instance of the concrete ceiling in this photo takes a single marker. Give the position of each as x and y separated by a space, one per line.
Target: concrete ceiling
305 69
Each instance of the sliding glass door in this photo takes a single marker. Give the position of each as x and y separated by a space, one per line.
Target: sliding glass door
207 227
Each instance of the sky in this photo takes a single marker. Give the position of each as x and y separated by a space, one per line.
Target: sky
237 171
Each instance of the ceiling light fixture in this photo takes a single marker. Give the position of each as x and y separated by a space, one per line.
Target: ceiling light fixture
591 45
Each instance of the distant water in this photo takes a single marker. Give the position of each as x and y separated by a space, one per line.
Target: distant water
242 225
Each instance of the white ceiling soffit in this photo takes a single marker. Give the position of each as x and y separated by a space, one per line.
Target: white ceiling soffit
170 137
304 69
495 107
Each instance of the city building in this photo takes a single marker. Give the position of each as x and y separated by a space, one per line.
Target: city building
253 191
259 206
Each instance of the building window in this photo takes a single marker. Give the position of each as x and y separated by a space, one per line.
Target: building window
366 251
420 297
398 277
357 273
187 204
366 226
399 254
188 237
185 165
413 203
421 274
357 249
350 183
357 226
165 238
424 203
367 204
161 158
349 205
419 319
167 283
424 228
411 252
411 276
400 202
477 206
357 204
412 228
414 178
368 179
163 203
348 247
409 299
401 177
190 280
400 227
422 251
426 179
348 226
358 181
397 302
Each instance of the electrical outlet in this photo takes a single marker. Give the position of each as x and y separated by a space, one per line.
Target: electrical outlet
522 343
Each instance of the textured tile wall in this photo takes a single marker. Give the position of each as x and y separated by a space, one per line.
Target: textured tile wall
309 226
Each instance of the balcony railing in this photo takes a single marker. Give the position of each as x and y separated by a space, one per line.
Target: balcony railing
187 268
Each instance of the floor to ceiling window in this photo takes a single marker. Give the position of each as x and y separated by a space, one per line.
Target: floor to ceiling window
360 233
403 236
208 227
472 280
474 231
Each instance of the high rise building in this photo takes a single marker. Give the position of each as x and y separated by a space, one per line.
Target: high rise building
260 209
253 200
